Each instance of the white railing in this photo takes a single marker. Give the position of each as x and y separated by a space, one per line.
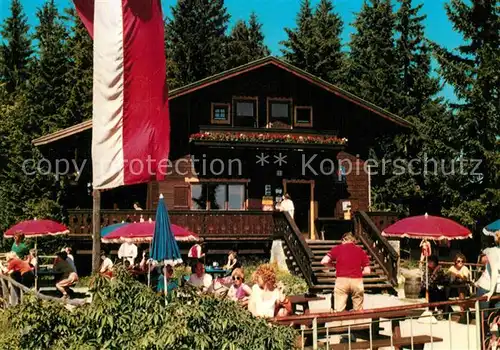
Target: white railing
409 326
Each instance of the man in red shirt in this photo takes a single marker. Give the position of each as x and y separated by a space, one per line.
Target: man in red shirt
351 264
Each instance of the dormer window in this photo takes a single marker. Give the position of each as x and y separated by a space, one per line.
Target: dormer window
303 116
221 113
279 111
245 112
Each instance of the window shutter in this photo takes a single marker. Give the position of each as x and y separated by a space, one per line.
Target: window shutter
181 197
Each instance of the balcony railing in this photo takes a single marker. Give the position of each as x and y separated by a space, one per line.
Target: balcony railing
208 225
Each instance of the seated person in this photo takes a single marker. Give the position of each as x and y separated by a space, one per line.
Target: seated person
68 274
19 270
107 265
232 262
70 259
437 280
460 275
239 291
267 299
146 264
32 258
19 246
199 278
171 283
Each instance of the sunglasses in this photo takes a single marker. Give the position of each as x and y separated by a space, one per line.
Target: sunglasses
236 278
460 261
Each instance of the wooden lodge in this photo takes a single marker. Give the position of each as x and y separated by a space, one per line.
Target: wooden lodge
239 141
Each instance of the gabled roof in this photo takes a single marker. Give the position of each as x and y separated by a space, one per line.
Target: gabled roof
217 78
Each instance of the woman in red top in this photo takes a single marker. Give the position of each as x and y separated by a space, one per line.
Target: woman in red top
19 270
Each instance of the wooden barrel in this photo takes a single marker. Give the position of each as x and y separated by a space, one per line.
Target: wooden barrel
412 287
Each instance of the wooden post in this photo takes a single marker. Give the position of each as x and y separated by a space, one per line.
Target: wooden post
96 231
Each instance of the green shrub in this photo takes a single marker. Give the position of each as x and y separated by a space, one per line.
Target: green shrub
125 314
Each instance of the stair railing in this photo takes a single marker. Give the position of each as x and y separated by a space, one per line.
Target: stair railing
12 293
378 246
287 230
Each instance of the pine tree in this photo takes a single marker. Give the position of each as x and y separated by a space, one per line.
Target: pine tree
298 48
418 88
246 43
48 92
373 70
416 91
327 48
195 40
80 48
472 69
25 186
16 50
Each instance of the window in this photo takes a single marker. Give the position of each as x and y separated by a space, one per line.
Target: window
236 197
303 116
245 111
279 110
221 113
217 196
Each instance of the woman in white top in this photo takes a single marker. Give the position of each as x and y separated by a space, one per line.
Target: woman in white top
287 205
488 282
199 278
267 300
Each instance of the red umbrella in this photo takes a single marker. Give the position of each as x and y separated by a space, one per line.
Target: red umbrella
37 228
142 232
427 227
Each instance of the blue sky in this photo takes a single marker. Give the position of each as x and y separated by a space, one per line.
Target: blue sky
278 14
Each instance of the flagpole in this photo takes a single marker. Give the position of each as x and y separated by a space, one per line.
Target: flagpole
96 230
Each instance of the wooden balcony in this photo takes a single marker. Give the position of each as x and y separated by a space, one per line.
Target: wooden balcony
209 225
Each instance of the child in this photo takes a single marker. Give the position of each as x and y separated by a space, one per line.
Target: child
426 250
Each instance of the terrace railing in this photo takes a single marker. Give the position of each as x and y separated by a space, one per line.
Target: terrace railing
378 246
237 224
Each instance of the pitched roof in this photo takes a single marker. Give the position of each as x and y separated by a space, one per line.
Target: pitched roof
231 73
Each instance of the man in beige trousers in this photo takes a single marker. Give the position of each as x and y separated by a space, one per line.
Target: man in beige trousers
351 264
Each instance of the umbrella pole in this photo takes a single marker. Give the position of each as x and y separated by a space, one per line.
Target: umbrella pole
36 265
427 279
148 264
165 280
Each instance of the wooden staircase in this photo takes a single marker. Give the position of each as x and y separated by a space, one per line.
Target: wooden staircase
376 281
304 256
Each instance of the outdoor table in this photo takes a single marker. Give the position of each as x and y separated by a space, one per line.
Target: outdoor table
302 300
216 271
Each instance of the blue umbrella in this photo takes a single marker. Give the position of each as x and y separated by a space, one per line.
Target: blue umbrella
492 228
164 246
111 228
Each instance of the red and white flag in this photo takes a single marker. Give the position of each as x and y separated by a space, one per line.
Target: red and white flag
131 127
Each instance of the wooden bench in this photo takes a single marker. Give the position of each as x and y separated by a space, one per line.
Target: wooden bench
404 342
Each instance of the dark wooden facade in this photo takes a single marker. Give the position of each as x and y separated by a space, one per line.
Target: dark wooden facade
220 105
317 190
